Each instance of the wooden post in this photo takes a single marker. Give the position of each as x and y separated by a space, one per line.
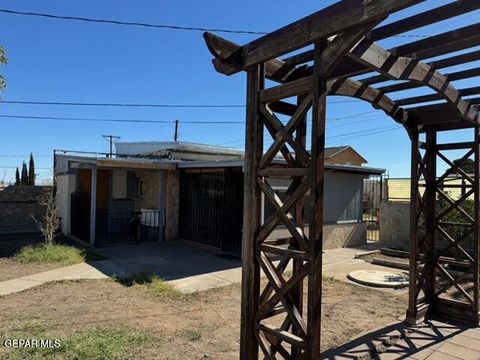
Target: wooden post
316 208
251 217
476 249
93 206
430 214
413 315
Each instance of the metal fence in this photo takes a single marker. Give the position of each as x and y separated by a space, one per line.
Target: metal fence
374 192
124 227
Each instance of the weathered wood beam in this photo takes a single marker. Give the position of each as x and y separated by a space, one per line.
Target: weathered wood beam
403 68
333 20
433 97
440 64
429 17
433 46
437 107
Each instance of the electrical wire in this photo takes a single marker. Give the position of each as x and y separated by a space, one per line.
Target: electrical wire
157 26
173 106
114 120
130 23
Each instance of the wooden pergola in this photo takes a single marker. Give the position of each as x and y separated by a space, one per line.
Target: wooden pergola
307 61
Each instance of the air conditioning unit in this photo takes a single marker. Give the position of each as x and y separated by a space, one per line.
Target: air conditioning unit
150 217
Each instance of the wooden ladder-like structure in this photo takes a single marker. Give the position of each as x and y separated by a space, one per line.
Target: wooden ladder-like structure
283 317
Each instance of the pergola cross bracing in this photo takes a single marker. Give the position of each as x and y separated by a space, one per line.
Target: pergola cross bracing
319 56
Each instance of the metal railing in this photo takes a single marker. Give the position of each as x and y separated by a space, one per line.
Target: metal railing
124 227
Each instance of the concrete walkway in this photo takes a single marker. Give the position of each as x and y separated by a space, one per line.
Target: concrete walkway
188 268
429 341
74 272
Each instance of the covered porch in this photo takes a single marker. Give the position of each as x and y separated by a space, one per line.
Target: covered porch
117 201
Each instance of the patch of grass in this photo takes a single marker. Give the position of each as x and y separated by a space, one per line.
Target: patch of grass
55 254
191 334
99 343
154 285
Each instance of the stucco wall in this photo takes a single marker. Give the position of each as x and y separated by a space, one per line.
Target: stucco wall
394 219
65 187
172 205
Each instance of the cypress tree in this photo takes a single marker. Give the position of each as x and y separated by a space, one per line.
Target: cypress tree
17 177
24 176
31 171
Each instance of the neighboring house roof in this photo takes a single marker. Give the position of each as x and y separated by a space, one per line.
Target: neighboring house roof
164 148
331 153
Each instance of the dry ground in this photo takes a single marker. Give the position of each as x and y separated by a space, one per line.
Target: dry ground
205 326
12 269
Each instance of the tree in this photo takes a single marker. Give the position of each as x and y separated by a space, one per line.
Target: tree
17 177
50 222
3 61
31 171
467 166
24 176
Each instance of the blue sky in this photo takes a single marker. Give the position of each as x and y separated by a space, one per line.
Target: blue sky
55 60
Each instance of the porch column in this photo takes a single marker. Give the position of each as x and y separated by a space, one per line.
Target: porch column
93 206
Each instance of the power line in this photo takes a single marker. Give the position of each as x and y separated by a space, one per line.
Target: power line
115 120
201 122
61 103
129 23
173 106
157 26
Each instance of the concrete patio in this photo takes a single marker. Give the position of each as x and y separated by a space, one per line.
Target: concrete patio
433 340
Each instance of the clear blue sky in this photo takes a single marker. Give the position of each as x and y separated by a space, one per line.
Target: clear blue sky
55 60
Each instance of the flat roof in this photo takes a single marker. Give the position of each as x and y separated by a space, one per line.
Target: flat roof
163 164
240 163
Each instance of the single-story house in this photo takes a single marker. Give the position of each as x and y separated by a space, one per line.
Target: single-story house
164 191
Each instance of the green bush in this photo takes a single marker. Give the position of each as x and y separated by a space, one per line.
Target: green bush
55 254
454 216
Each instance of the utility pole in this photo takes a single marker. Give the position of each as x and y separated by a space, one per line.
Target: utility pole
111 139
175 137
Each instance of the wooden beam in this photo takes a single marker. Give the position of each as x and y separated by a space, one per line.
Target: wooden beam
332 20
437 45
433 97
440 64
429 17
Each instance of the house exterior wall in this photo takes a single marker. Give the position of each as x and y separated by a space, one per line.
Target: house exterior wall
66 185
151 190
334 235
343 193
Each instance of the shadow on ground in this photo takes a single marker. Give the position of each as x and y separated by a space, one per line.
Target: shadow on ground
402 341
169 261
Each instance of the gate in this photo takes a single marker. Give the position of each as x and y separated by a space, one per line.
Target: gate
211 209
80 215
374 192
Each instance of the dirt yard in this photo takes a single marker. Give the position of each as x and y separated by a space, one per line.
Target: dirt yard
205 326
12 269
